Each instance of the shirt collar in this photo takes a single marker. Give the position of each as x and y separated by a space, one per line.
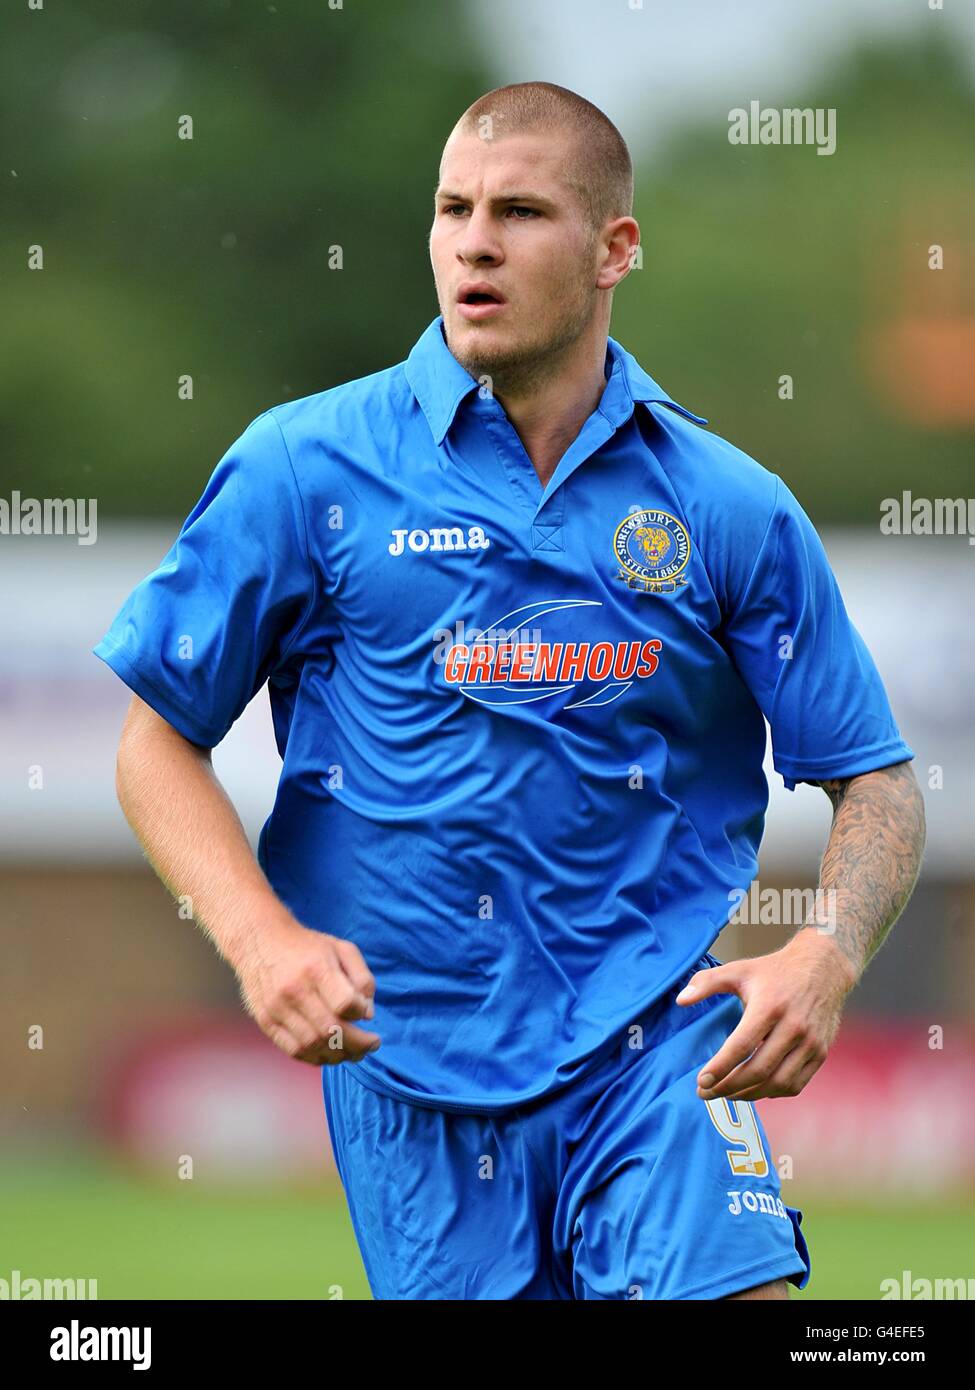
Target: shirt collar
440 383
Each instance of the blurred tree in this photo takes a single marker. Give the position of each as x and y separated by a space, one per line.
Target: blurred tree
315 128
312 128
764 261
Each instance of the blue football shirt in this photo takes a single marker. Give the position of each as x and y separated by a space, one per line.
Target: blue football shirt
521 728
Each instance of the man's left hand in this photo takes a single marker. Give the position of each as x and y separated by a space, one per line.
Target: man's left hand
793 1003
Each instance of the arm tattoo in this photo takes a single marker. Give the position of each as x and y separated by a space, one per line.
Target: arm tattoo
873 855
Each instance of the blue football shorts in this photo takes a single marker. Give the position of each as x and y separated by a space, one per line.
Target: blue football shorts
622 1185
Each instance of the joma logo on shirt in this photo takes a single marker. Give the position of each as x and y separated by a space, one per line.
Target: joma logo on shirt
438 538
756 1201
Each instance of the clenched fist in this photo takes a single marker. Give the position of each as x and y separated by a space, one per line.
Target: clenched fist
304 989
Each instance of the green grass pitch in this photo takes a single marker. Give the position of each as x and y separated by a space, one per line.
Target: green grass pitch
184 1240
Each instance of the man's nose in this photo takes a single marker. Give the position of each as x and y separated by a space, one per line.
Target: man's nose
480 241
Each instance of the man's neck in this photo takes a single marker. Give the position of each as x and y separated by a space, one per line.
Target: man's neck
548 418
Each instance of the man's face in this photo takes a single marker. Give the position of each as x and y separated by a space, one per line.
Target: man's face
506 224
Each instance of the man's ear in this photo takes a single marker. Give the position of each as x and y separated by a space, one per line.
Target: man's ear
623 236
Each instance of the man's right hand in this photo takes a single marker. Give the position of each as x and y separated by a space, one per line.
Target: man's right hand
304 989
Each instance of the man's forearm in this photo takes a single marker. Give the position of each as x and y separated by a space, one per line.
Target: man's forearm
192 835
872 857
794 997
305 989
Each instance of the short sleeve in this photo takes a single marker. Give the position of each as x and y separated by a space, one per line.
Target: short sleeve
803 660
198 637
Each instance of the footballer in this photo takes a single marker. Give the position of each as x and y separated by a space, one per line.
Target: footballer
522 618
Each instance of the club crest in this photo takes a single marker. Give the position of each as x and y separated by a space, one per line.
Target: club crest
651 548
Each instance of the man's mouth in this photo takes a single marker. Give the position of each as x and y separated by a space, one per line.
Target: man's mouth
479 301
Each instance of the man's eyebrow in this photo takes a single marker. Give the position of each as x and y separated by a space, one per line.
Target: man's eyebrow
498 199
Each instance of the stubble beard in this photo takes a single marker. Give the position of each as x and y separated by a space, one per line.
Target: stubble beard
520 369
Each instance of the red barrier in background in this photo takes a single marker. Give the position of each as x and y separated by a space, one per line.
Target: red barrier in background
214 1089
891 1112
888 1114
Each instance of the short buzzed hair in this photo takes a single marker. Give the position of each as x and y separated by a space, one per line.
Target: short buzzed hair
600 172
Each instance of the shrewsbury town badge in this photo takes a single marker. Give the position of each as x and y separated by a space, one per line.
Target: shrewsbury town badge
651 549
